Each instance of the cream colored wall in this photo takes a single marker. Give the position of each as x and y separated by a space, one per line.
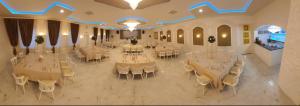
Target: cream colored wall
276 13
85 31
290 68
210 25
6 49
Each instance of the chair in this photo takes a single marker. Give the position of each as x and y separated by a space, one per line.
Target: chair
133 49
98 57
150 69
80 56
127 49
20 81
139 50
14 61
46 86
21 55
137 70
231 80
203 81
162 54
123 70
169 54
67 71
236 70
176 53
188 70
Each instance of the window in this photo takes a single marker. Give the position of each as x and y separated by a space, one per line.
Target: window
224 35
198 36
180 36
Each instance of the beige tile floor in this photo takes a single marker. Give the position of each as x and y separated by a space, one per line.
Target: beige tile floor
96 84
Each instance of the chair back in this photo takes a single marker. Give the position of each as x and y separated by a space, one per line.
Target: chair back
14 61
137 70
46 86
19 79
149 68
123 69
162 53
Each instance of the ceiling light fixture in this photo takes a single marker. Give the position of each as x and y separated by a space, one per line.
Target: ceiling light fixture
61 11
200 10
133 3
274 29
224 35
131 25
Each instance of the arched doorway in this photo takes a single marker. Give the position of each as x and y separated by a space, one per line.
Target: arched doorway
269 43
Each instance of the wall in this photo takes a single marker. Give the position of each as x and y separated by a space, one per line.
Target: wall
210 25
6 49
276 13
290 68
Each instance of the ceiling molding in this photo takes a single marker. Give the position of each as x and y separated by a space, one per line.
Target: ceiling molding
121 4
72 18
221 11
41 12
132 18
176 21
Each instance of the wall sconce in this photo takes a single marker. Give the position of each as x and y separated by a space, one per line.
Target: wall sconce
169 35
224 35
81 37
198 35
180 36
41 34
65 34
91 36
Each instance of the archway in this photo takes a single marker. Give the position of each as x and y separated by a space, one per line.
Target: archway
269 43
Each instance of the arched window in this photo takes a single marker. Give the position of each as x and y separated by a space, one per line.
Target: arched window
161 34
180 36
224 35
155 35
169 36
198 36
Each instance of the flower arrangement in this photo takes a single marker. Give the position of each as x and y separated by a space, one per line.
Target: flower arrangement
39 39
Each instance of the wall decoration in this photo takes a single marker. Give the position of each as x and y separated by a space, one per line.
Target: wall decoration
211 39
246 34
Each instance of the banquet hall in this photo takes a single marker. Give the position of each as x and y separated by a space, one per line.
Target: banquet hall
149 52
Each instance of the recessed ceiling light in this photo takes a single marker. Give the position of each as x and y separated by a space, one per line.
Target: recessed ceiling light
200 10
61 11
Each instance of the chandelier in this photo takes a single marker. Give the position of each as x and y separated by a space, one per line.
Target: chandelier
274 29
131 25
133 3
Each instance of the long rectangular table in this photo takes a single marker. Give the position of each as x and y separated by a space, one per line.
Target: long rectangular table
47 69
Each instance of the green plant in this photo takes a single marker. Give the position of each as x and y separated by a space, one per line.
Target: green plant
39 39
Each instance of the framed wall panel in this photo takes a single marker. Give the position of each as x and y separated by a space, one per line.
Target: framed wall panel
155 35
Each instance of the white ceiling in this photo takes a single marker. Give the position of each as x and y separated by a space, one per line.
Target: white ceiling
109 14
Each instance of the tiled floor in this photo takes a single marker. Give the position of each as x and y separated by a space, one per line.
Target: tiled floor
96 84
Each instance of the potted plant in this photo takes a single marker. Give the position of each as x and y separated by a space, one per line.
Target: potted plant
39 40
